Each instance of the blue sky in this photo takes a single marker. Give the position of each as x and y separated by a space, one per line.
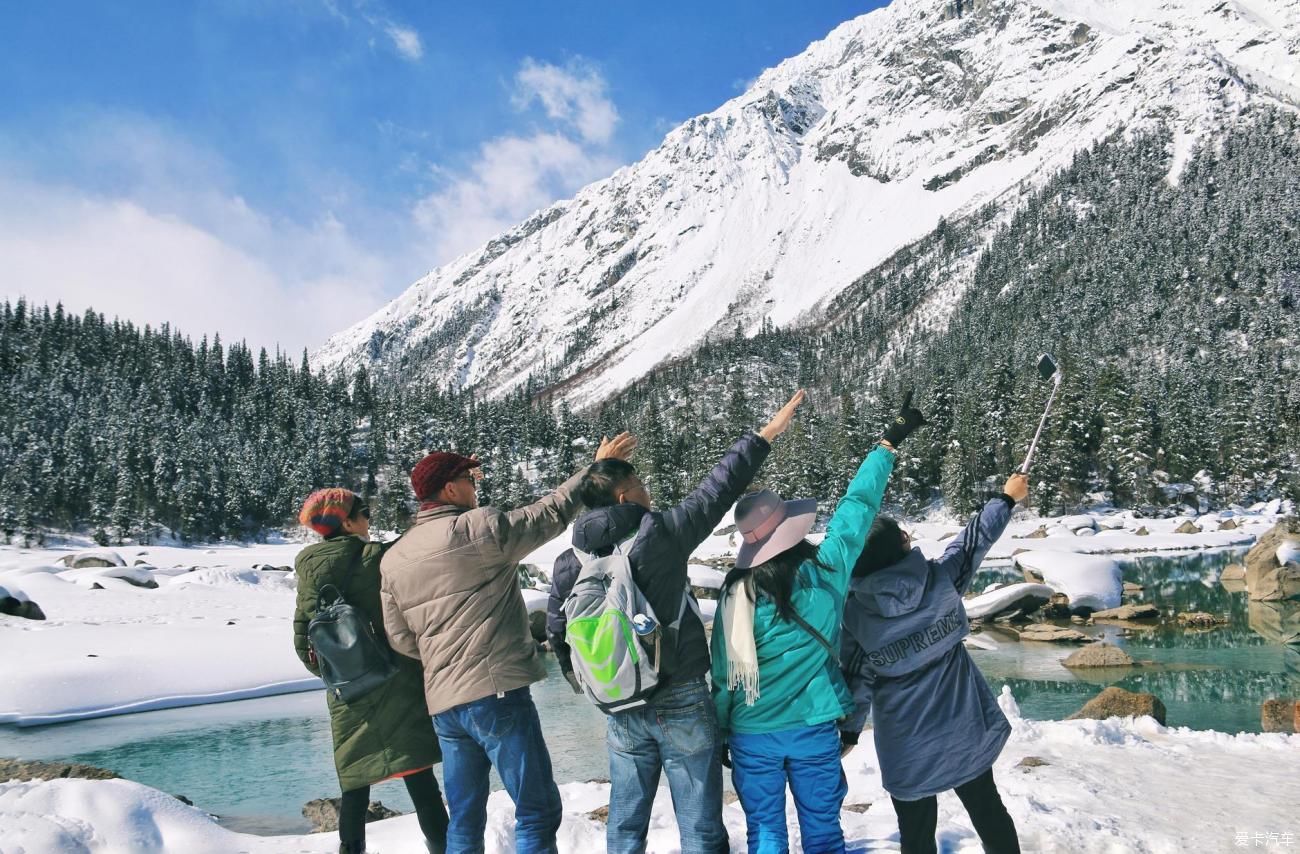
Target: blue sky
277 169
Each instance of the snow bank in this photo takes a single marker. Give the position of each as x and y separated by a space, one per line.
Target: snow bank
1104 786
224 576
1090 581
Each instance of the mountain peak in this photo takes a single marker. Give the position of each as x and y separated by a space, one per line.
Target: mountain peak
767 208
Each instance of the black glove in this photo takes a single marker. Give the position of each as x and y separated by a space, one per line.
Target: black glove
572 680
907 420
725 756
848 737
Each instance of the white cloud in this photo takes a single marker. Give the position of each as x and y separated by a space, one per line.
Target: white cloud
123 259
574 95
407 41
516 174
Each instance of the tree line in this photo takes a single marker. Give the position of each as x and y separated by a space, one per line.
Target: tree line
1170 299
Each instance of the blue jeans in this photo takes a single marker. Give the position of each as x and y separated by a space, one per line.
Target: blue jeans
808 758
677 733
501 732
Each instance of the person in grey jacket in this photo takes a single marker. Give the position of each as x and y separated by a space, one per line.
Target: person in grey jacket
937 725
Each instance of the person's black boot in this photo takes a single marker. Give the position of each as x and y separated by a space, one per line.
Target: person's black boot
356 846
436 847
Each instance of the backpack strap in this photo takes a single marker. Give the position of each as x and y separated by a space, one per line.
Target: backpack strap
807 627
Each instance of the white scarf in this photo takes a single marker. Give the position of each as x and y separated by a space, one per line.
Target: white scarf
742 653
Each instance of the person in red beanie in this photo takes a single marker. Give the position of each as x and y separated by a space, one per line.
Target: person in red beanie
451 599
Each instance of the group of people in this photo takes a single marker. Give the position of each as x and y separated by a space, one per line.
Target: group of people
808 641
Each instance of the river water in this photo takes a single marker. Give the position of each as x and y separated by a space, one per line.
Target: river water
255 763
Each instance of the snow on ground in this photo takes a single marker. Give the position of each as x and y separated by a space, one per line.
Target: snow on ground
217 629
1096 793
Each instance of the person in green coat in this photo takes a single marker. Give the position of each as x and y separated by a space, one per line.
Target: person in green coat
777 684
386 733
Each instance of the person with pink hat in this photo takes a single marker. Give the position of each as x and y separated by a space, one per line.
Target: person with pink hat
776 674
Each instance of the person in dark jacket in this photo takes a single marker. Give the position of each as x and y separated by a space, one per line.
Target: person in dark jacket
676 733
937 725
385 733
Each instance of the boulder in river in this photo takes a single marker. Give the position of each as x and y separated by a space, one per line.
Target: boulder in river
1266 579
1188 527
1099 655
18 769
1047 633
1228 525
323 813
1040 534
1279 715
1115 702
1201 620
1233 572
1142 532
1125 613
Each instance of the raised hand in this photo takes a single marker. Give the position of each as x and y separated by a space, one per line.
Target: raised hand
904 423
618 448
783 417
1017 487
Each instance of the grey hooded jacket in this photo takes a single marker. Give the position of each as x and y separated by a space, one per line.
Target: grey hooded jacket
936 723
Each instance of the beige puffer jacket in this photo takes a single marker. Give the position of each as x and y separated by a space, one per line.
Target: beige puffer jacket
451 598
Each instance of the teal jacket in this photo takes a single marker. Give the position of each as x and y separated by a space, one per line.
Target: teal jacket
799 684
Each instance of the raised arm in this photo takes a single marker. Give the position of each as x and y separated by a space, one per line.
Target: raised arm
518 532
967 550
690 523
847 532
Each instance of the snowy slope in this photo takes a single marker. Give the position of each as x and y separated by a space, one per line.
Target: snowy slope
771 205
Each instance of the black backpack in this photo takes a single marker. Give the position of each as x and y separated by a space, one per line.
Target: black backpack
352 662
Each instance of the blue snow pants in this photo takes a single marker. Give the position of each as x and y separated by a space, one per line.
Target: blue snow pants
806 758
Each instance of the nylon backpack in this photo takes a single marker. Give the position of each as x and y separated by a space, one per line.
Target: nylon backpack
615 636
352 662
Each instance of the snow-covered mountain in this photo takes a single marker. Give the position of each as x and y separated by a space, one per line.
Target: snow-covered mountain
767 208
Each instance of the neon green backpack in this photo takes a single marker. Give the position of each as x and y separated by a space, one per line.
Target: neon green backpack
615 636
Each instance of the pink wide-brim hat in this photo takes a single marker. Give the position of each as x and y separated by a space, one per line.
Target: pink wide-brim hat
770 525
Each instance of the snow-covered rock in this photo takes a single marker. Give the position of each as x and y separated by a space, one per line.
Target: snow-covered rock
1289 552
100 574
227 576
1092 582
94 558
1082 522
1010 598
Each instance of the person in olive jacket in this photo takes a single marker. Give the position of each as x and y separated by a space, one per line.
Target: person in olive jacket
385 733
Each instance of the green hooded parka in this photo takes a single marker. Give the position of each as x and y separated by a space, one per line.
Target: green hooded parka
388 732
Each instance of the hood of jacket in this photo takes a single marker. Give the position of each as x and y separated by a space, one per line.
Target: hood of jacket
897 589
598 531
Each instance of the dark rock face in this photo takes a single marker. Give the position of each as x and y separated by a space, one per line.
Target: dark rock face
323 813
18 769
15 607
1118 703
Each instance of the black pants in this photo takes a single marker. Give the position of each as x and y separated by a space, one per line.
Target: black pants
429 809
917 819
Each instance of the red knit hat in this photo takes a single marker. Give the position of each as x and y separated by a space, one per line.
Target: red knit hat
436 471
325 510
